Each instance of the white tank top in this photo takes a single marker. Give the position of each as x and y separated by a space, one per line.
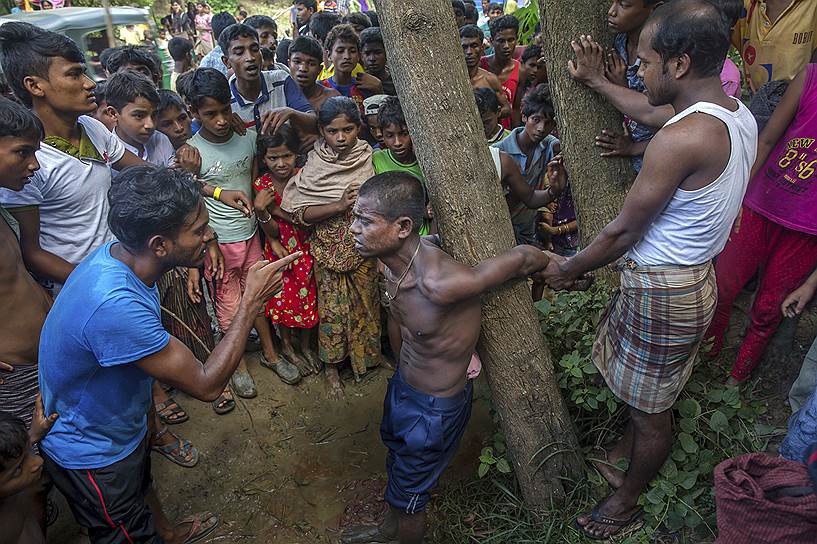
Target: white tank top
695 225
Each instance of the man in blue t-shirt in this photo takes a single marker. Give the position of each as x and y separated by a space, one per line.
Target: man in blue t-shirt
103 344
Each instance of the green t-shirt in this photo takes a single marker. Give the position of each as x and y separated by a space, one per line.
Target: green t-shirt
229 166
384 161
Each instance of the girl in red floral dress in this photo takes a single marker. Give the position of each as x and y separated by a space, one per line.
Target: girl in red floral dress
294 308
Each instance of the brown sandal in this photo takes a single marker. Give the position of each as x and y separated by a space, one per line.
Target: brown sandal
198 529
225 403
171 412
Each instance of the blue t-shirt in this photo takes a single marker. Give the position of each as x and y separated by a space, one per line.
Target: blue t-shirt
104 320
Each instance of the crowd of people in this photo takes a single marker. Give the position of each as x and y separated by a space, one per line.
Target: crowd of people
273 190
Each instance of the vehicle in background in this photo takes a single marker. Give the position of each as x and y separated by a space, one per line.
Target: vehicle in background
87 27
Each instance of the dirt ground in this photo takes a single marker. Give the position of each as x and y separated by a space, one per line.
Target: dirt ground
293 467
289 466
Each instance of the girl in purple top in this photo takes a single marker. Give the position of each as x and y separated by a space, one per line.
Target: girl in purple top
776 234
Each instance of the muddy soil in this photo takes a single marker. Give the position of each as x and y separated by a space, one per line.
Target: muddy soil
290 466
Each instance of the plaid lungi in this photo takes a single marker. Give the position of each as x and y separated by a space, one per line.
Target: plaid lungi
650 333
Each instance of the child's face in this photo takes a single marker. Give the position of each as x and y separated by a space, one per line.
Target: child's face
627 15
398 140
373 122
341 134
176 124
17 160
20 473
494 13
137 120
374 57
305 69
103 115
280 161
490 120
538 126
534 69
344 56
244 57
214 117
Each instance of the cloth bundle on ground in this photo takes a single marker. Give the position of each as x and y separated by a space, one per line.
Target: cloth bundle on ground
327 176
761 498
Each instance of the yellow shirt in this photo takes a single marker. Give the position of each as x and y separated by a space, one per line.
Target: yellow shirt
327 72
774 50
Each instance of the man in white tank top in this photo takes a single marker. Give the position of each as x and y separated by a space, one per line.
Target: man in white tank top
675 219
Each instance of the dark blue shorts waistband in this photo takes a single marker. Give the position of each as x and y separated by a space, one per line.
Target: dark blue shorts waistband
430 401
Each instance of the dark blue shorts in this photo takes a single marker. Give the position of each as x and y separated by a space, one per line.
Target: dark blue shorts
422 433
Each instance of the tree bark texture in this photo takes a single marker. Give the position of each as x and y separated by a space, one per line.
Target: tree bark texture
598 184
428 68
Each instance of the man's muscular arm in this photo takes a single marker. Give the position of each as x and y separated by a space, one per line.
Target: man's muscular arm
452 282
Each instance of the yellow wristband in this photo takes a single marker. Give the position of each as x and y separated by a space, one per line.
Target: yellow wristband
217 193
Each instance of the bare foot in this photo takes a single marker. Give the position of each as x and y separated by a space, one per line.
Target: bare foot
333 382
302 364
312 358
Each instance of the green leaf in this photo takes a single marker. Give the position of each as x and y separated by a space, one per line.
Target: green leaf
668 488
716 395
576 372
687 479
482 470
487 451
687 443
592 403
669 470
503 466
679 455
689 408
718 422
543 306
611 405
487 460
688 425
655 496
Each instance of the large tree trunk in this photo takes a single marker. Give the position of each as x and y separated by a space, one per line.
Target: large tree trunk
598 184
429 72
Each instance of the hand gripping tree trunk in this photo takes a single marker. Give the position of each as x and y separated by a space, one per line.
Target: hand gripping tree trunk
429 72
598 184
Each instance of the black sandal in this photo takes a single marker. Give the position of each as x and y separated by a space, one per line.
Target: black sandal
634 522
224 403
171 412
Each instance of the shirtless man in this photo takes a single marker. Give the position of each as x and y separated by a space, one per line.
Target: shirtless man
20 295
436 302
472 41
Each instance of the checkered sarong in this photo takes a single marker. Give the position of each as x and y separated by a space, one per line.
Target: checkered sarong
650 333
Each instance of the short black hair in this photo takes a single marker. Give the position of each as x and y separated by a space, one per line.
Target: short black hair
397 194
731 9
341 33
282 51
538 100
13 439
261 21
17 120
372 34
169 99
308 4
147 201
374 18
26 50
100 92
183 82
487 101
136 55
504 22
233 32
358 18
179 48
471 11
307 46
207 83
458 5
532 51
283 136
391 113
695 28
321 23
219 22
472 31
336 106
125 87
494 6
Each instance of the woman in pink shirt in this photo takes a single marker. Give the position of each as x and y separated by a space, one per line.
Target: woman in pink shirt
775 236
204 27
